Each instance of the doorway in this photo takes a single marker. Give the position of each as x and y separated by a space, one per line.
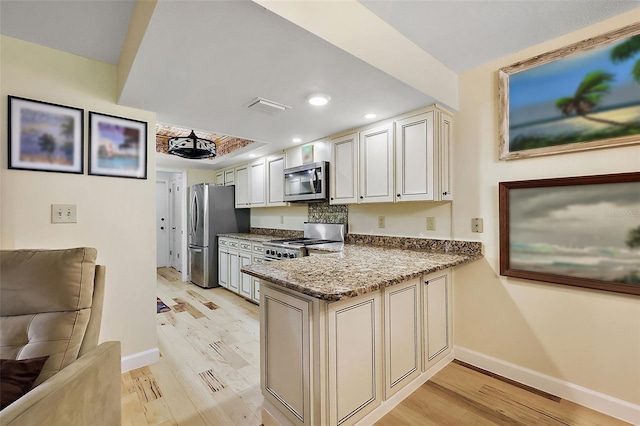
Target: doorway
171 238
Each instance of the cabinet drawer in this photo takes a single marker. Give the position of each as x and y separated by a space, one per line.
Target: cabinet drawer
223 242
257 259
233 243
258 248
245 246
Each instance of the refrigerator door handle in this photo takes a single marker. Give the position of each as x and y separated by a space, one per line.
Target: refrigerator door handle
194 213
196 250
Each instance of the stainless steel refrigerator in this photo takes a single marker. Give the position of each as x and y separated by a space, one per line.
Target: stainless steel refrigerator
211 212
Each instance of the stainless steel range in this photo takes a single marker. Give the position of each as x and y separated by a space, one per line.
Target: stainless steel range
314 234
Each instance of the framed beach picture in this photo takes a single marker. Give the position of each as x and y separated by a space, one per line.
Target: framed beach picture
117 146
579 231
45 137
580 97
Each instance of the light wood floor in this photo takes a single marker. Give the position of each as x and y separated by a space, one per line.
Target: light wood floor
208 374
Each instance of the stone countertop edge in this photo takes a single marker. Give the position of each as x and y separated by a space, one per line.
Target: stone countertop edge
356 271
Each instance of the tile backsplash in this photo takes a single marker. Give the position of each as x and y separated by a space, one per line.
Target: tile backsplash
323 212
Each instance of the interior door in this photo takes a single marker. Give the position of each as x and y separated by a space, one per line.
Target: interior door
162 223
175 233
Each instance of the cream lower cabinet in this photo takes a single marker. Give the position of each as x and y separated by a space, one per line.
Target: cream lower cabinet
223 262
285 357
354 358
437 318
402 335
234 269
244 259
340 363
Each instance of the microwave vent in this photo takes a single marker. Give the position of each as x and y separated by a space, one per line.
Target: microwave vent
266 105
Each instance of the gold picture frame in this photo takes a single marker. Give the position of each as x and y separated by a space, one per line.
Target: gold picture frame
540 98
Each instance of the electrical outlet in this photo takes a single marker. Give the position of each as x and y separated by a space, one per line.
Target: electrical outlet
63 213
476 224
431 223
281 219
380 221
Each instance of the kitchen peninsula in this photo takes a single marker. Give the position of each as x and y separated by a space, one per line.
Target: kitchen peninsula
346 335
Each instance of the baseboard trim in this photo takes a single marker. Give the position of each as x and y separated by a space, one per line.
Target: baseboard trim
399 396
606 404
140 359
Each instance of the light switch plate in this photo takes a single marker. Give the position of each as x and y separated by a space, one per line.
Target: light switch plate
476 224
380 221
63 213
431 223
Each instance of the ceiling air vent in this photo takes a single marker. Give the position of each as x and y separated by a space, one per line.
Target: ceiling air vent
265 105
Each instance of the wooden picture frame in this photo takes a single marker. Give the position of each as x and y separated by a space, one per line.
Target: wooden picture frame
581 97
117 146
45 137
577 231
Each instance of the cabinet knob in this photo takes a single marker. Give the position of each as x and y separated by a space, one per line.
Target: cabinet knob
361 197
398 195
445 192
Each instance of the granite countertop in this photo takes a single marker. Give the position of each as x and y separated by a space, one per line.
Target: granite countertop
256 238
356 270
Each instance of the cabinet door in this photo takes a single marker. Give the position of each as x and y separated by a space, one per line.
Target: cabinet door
255 296
219 179
445 160
285 336
234 271
223 267
355 358
437 319
376 166
244 287
402 335
275 181
343 170
257 184
229 177
415 159
242 186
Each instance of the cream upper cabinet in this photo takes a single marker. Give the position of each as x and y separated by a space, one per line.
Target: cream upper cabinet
242 186
275 181
229 177
343 170
445 155
376 165
415 158
219 178
257 179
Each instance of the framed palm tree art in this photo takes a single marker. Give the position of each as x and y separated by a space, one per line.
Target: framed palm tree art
45 137
580 97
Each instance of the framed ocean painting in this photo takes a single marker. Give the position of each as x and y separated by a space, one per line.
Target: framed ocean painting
45 137
579 231
580 97
117 146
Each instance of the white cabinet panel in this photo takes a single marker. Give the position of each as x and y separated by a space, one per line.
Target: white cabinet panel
355 378
242 186
257 188
244 286
344 170
402 333
219 179
234 271
284 337
275 177
446 157
437 319
229 177
415 173
223 264
376 166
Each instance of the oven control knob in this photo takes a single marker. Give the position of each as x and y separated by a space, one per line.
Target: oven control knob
292 255
267 252
279 254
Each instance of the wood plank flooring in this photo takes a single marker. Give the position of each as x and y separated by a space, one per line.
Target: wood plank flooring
208 374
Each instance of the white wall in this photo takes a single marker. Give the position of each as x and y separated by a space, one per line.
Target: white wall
585 337
115 215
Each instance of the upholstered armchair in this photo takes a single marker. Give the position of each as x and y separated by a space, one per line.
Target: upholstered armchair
51 306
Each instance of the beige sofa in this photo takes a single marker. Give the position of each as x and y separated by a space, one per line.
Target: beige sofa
51 304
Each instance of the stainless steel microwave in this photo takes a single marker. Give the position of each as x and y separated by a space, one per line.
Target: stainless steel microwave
307 183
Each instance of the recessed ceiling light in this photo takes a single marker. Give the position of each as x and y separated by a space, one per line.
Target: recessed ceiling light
370 116
252 155
318 99
296 140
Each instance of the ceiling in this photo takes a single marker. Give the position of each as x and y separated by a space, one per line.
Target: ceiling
200 63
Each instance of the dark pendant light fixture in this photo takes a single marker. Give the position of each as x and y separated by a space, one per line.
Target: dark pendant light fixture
192 147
